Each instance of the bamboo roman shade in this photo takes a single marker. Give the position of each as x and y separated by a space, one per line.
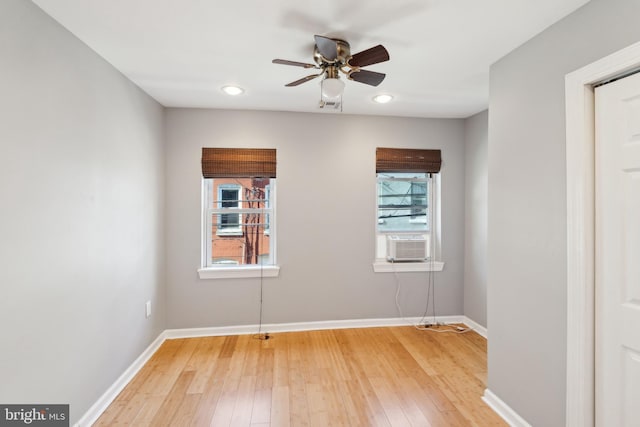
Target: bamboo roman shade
407 160
238 162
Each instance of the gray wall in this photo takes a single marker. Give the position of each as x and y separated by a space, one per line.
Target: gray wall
527 205
475 221
81 235
325 218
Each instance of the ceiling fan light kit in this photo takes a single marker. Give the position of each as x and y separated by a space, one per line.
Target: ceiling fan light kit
332 88
331 93
333 56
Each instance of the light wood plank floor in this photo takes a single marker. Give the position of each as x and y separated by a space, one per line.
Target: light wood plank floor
397 376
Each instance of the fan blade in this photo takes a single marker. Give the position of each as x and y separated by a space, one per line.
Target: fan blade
370 56
367 77
294 63
303 80
327 47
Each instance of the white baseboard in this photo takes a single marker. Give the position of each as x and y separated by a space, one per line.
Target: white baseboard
109 396
481 330
304 326
509 415
112 392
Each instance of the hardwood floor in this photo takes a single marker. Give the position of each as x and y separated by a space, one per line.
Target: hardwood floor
397 376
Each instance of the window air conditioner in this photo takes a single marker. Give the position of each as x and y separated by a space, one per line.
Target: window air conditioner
406 248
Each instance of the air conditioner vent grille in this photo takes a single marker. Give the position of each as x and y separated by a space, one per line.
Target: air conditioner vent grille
406 248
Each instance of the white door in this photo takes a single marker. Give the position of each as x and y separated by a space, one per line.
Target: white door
617 264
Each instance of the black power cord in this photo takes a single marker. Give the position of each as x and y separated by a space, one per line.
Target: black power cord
261 336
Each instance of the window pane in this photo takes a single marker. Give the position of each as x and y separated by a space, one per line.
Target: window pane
229 198
419 201
251 246
229 220
402 203
238 237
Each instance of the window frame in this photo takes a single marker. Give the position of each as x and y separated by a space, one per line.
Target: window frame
227 271
432 232
267 191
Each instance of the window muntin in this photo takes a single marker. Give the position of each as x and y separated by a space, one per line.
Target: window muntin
237 221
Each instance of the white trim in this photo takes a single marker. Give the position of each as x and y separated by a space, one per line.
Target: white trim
92 415
236 231
239 272
509 415
580 229
303 326
206 229
383 266
480 330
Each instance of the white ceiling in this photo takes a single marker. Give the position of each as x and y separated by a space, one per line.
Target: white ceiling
181 52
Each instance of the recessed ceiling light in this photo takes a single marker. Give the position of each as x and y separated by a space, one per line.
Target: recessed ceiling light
382 99
232 90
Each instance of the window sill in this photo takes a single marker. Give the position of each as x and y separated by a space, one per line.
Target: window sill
383 266
232 232
243 272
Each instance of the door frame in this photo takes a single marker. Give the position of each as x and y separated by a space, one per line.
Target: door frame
580 162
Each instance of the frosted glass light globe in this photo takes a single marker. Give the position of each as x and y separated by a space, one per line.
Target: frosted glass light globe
332 88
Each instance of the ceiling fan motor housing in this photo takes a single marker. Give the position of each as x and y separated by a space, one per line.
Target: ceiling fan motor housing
343 54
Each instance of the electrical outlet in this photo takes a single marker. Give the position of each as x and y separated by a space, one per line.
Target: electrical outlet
147 309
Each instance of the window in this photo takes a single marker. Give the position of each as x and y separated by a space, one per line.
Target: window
228 200
407 208
238 213
402 202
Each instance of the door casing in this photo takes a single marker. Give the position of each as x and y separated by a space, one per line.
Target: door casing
580 138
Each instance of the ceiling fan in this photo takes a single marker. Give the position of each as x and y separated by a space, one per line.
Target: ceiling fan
332 56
